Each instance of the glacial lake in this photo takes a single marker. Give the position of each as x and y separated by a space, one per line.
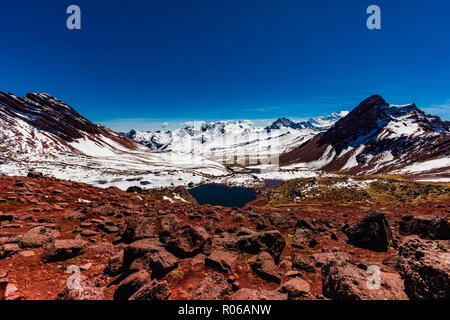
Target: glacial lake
218 195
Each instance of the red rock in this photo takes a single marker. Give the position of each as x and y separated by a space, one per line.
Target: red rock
213 287
295 287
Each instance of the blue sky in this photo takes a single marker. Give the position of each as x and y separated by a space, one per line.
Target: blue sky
137 63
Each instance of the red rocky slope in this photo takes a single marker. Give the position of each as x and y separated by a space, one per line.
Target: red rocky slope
130 246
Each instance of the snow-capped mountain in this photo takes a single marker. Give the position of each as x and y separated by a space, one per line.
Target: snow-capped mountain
376 137
236 141
41 132
317 123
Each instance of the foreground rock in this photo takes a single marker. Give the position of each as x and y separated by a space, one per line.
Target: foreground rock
149 255
131 285
372 233
61 250
155 290
295 288
264 266
37 237
270 241
85 290
425 267
139 228
189 241
303 239
214 287
342 280
428 227
258 294
221 260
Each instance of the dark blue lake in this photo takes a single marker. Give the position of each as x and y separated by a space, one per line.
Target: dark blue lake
218 195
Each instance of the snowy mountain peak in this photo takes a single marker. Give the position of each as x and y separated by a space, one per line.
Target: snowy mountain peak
373 137
318 123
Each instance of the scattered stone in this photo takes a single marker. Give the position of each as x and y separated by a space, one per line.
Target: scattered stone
88 233
272 242
115 264
303 238
302 262
61 250
258 294
150 255
7 217
135 189
104 210
425 268
428 227
85 291
131 285
372 233
295 287
221 260
37 237
342 280
35 174
139 228
8 250
26 253
264 266
211 288
155 290
189 241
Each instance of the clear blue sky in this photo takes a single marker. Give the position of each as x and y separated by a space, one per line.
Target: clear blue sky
170 60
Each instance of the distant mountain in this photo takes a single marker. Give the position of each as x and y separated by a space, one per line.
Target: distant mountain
376 137
40 123
225 140
41 132
318 123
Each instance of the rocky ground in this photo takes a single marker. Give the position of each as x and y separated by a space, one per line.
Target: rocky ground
110 244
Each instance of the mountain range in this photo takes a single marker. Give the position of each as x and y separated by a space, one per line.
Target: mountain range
230 141
41 132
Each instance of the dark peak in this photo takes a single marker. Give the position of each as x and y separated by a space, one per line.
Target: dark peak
371 102
282 122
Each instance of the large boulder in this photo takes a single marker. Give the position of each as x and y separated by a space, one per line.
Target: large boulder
425 268
295 288
139 228
167 225
213 287
8 249
303 239
303 263
372 233
264 266
115 264
221 260
37 237
155 290
272 242
189 241
86 291
428 227
131 284
61 250
342 280
150 255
